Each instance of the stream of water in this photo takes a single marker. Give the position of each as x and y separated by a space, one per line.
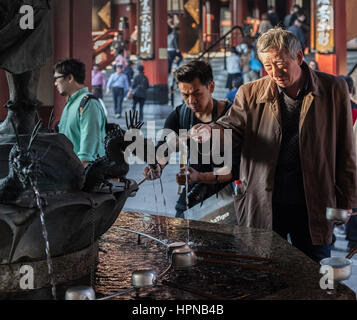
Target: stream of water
47 244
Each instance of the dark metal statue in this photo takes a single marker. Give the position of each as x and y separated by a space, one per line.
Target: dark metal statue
24 170
113 164
22 53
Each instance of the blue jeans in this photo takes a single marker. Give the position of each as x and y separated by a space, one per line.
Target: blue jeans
293 220
118 97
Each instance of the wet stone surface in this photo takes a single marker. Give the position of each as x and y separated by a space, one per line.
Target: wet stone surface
120 254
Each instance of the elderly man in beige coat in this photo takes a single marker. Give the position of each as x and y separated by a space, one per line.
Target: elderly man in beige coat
298 153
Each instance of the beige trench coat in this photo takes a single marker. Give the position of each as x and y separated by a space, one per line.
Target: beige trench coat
327 151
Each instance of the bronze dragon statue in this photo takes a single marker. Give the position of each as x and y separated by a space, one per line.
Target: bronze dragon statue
112 165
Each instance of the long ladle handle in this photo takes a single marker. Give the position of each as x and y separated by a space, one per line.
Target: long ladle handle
352 253
143 180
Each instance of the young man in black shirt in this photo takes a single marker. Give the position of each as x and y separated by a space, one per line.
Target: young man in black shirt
195 82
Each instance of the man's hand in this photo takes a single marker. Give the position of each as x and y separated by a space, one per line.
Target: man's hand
193 176
201 132
108 90
152 173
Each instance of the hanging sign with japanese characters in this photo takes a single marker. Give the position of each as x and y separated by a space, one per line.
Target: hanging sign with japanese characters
324 30
145 42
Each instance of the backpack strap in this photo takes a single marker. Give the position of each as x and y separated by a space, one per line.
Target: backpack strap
84 101
185 115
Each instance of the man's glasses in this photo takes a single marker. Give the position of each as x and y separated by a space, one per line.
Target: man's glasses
59 77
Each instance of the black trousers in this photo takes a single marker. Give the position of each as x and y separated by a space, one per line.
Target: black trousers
141 102
293 220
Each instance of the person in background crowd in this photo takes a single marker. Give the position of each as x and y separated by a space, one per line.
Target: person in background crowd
236 83
313 65
290 18
170 23
251 67
128 70
134 35
120 59
265 24
119 84
273 17
173 50
84 125
280 121
297 30
98 81
119 45
139 86
233 68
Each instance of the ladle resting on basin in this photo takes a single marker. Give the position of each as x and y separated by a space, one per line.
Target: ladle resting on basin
342 267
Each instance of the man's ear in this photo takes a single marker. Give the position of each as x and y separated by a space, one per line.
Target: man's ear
211 86
70 78
300 57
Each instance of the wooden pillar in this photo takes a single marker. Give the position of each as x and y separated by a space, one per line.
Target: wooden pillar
72 38
336 63
239 11
156 69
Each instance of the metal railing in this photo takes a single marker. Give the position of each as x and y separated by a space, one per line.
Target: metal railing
224 39
353 70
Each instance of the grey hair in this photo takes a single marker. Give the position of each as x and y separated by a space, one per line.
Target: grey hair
279 39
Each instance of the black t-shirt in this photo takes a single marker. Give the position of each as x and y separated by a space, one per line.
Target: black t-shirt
183 118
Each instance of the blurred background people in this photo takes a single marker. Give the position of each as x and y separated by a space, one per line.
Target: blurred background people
98 82
173 50
119 45
118 83
273 17
139 86
233 67
236 83
265 24
290 19
120 59
298 31
129 71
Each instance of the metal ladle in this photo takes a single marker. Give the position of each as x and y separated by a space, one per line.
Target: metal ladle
337 215
342 267
183 258
80 293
